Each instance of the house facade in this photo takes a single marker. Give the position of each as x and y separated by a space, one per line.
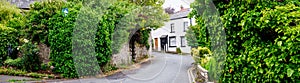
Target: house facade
172 34
22 4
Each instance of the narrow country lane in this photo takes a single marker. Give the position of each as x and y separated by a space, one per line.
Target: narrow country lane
162 68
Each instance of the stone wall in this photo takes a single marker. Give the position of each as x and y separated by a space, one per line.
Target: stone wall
141 52
124 58
44 53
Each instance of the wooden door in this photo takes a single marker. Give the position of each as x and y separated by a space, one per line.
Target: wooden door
156 43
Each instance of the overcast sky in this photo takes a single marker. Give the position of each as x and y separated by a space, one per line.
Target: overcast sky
177 3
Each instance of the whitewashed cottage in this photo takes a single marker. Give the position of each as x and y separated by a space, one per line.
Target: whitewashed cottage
172 34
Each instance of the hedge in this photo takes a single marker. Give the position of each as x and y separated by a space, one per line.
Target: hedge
37 27
47 24
70 38
89 34
262 39
11 20
8 36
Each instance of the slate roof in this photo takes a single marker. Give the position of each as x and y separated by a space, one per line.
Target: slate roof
22 4
180 14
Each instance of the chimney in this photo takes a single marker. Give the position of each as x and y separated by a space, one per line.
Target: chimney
181 7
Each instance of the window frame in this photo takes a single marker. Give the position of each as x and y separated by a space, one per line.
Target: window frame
185 26
172 28
171 37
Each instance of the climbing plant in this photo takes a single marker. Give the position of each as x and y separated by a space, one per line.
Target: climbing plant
262 39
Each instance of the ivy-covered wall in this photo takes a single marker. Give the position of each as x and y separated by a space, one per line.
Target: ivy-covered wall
69 35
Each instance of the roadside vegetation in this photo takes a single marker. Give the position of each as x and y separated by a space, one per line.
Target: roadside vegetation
262 39
25 34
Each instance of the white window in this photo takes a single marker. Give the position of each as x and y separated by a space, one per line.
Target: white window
172 28
172 41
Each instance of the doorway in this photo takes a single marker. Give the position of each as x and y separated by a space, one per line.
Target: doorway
156 43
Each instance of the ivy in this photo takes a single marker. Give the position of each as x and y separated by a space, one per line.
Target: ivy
262 40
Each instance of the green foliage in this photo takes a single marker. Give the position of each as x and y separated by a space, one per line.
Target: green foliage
204 57
178 50
143 37
109 23
30 57
116 24
60 38
108 67
262 39
8 36
39 17
146 2
14 62
45 66
191 38
14 72
201 51
212 67
201 55
11 16
268 44
198 35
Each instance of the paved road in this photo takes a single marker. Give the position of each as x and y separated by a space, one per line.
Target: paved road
6 78
163 68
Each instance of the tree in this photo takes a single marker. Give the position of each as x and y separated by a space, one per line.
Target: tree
150 14
170 10
10 15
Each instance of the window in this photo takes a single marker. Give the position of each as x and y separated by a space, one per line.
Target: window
185 26
172 41
172 28
183 41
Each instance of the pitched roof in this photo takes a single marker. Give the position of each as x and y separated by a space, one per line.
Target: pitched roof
180 14
23 4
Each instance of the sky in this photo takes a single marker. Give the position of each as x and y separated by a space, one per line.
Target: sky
177 3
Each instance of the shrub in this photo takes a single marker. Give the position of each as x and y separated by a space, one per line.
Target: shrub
39 16
30 57
201 55
178 50
212 67
108 67
8 12
28 61
204 57
8 36
205 62
45 66
14 62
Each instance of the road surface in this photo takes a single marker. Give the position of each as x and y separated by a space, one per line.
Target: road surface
162 68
